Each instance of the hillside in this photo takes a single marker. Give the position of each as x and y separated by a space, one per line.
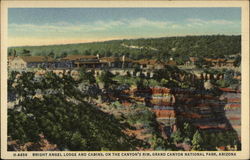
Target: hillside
177 47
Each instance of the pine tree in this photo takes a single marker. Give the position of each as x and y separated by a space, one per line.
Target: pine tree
197 141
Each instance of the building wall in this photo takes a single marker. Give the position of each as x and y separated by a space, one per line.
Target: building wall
64 64
18 63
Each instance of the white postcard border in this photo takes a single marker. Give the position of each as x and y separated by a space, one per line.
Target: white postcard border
244 154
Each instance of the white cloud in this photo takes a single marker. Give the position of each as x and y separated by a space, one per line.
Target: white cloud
96 30
143 22
63 27
175 26
221 22
199 22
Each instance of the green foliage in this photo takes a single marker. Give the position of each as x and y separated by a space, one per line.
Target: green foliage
188 130
142 116
237 61
221 138
177 137
229 80
197 141
64 54
142 84
20 124
25 52
158 143
51 54
87 76
153 83
106 78
200 62
177 47
62 115
170 78
146 119
126 79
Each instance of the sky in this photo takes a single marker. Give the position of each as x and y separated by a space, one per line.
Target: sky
45 26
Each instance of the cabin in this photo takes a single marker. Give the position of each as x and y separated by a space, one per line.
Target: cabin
150 64
230 63
78 61
118 62
112 62
220 62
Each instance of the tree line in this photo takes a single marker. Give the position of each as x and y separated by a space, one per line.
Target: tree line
179 48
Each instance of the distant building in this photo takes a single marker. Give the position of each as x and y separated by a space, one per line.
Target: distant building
150 64
220 62
89 62
81 61
23 62
112 62
82 58
117 62
230 63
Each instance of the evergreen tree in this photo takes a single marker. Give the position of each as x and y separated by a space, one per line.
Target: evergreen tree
51 54
177 137
25 52
197 141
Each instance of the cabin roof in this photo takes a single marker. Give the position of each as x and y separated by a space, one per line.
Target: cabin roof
78 57
109 59
36 58
148 61
215 60
115 59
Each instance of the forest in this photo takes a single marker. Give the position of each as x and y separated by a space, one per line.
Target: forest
179 48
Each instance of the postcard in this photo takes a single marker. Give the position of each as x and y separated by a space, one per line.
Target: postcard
125 79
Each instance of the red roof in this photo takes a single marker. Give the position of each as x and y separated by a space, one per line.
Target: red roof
115 59
228 90
215 60
78 57
109 59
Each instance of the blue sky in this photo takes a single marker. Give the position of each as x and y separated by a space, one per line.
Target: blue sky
39 26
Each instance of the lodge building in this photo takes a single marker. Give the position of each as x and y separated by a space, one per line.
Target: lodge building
95 62
23 62
89 62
